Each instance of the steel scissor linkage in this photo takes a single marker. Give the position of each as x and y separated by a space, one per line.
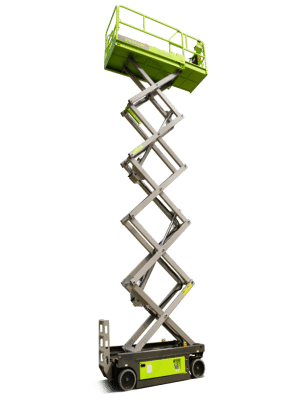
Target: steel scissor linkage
136 281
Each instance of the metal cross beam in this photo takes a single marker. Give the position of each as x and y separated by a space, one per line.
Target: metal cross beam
136 281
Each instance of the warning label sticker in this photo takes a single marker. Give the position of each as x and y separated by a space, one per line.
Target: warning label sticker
133 42
187 289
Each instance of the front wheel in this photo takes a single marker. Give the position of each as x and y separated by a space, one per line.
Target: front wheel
127 379
197 368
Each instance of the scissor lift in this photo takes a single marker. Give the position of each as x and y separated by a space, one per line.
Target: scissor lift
139 363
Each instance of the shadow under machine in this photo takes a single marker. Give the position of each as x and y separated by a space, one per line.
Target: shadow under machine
139 363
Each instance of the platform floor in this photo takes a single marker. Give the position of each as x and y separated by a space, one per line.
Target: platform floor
156 63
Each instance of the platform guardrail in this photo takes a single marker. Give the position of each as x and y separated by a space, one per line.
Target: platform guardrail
184 37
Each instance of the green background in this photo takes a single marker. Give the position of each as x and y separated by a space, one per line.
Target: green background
63 193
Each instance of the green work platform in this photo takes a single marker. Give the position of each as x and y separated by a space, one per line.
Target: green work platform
157 63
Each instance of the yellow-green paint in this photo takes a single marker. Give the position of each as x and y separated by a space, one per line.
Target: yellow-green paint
137 149
187 289
133 115
170 55
159 368
156 62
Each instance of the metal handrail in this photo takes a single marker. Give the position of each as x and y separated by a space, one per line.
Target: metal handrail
110 20
149 33
171 43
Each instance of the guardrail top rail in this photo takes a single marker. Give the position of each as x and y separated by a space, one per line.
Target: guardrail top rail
198 51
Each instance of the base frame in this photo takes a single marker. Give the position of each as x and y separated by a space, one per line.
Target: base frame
121 359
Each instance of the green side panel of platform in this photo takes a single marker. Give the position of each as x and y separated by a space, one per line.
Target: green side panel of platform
159 368
156 63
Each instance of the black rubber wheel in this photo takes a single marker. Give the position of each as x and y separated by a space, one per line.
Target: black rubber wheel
197 368
127 379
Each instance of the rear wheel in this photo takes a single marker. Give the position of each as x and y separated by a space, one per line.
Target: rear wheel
197 368
127 379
